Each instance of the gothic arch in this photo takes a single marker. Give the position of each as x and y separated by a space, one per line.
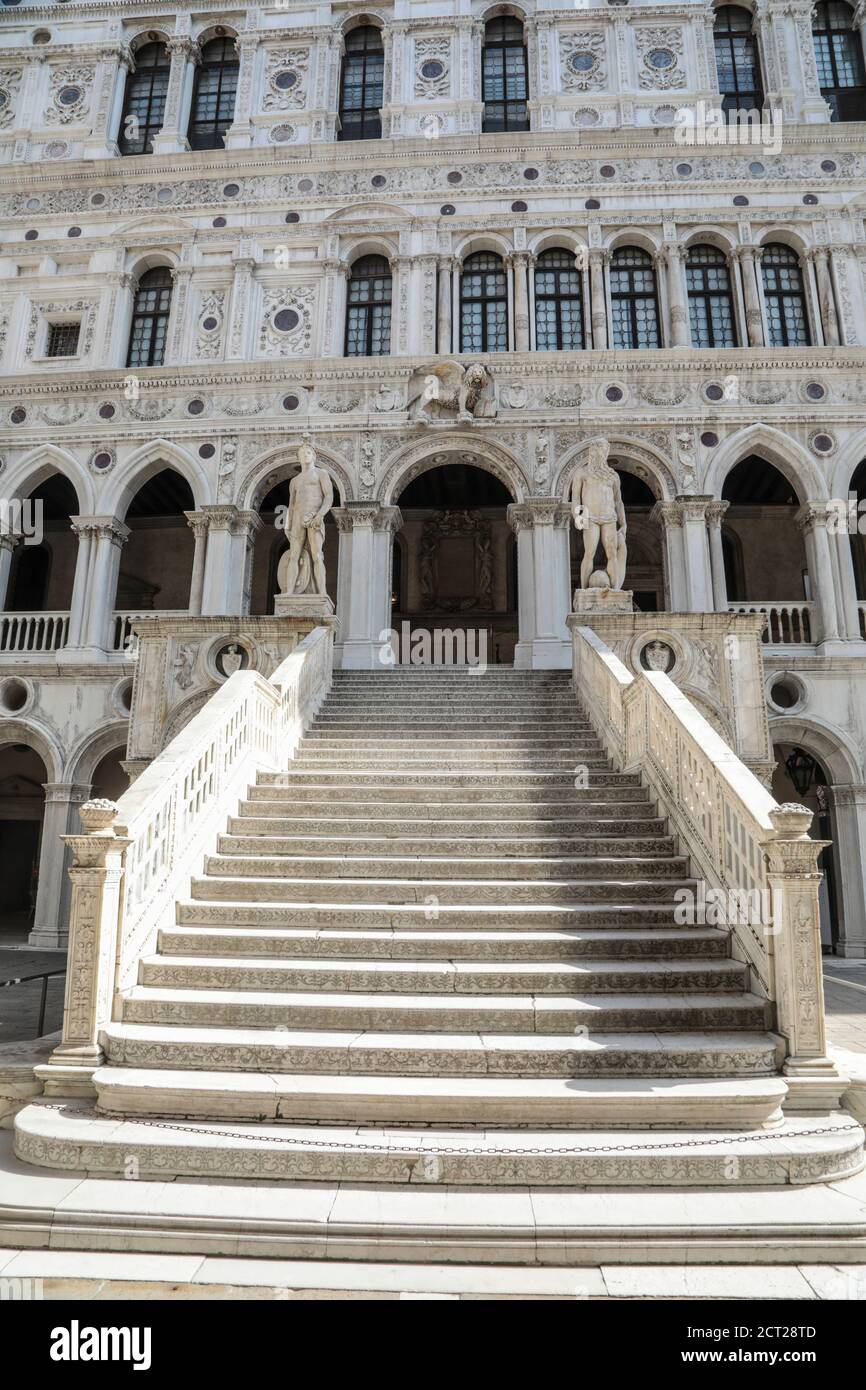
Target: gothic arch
278 463
846 465
775 447
42 463
467 449
182 714
144 464
636 456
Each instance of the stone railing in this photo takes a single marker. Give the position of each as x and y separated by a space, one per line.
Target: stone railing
135 857
122 635
33 632
755 855
787 623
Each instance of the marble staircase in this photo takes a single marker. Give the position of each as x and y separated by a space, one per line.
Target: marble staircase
441 949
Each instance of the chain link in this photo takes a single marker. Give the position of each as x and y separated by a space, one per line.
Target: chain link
340 1146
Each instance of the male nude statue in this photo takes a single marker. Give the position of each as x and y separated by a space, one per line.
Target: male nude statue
311 497
596 504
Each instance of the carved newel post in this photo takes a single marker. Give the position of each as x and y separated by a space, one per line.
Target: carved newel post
301 572
97 874
599 515
791 857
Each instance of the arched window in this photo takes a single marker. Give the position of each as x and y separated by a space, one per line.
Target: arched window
144 100
711 304
737 61
785 297
368 312
213 98
504 86
150 313
361 85
634 302
839 56
483 304
558 302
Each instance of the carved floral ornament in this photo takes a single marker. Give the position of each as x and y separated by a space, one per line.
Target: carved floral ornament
286 79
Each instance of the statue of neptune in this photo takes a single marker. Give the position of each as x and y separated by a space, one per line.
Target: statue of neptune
596 505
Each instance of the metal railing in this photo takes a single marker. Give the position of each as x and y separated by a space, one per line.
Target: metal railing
44 976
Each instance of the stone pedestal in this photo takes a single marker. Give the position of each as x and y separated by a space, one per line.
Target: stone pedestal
303 606
589 602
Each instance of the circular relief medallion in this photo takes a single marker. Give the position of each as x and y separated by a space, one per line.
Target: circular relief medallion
285 79
657 656
613 393
230 658
741 201
586 116
290 402
195 407
102 461
581 62
68 96
815 391
55 149
709 439
305 186
106 411
432 69
206 451
283 134
822 443
285 320
660 59
210 323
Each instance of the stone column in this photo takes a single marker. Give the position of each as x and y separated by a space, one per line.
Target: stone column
843 565
542 526
113 66
680 335
96 874
239 135
198 524
366 597
8 542
669 517
181 277
792 872
456 316
849 831
95 584
185 55
748 258
597 261
51 918
334 317
826 298
243 265
226 571
443 310
812 521
696 554
401 270
715 514
521 262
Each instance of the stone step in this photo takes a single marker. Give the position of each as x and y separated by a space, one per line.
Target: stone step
614 915
445 1013
514 761
688 1053
390 717
238 842
539 830
493 784
472 1102
652 945
594 803
429 893
400 741
538 870
444 977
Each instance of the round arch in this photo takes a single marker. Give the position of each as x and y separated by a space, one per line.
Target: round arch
40 739
493 242
141 261
710 236
146 36
90 750
557 239
369 19
370 246
418 458
514 11
279 463
631 456
633 236
831 745
785 236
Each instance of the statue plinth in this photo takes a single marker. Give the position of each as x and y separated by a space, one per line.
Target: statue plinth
303 606
602 601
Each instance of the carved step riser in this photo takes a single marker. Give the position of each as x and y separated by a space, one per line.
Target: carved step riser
210 910
367 946
238 843
445 829
527 877
687 1016
539 783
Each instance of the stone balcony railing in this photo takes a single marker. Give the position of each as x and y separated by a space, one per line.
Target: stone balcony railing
36 634
788 624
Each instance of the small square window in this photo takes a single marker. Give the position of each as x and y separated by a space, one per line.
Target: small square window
62 339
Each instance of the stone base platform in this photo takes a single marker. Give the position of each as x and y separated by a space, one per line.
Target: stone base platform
523 1226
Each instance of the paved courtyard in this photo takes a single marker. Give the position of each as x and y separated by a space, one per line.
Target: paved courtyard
845 997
